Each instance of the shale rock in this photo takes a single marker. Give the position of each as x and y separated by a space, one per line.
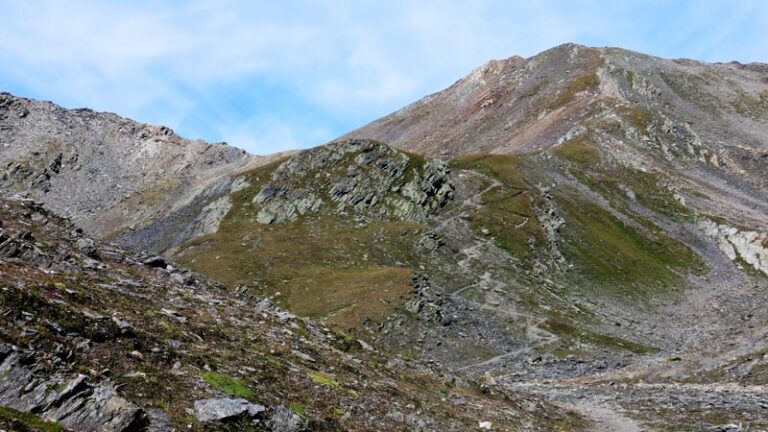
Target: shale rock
75 403
210 410
361 176
283 419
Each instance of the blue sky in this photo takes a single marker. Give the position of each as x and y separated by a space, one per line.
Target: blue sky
274 75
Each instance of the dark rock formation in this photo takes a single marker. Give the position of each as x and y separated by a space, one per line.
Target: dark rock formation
358 176
73 402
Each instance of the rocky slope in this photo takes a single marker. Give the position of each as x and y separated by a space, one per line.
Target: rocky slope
97 339
612 206
111 175
379 181
705 123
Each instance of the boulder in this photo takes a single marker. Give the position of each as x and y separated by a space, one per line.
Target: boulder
218 409
75 403
87 247
283 419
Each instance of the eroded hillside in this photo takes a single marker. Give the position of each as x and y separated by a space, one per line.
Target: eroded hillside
94 338
111 175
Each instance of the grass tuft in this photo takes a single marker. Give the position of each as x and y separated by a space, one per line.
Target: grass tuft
229 385
26 422
324 379
298 409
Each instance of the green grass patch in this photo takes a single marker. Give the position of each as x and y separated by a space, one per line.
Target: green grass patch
579 150
323 379
298 408
618 257
507 211
229 385
26 422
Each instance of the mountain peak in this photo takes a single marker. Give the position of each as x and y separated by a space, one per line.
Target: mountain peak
519 105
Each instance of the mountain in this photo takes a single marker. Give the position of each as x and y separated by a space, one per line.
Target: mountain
705 121
588 225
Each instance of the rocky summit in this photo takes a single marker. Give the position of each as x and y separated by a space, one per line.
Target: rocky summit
577 241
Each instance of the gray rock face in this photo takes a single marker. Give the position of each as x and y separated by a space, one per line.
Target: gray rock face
211 410
87 247
74 403
282 419
210 217
751 246
105 172
159 422
361 176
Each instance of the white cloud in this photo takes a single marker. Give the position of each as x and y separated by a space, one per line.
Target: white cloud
266 135
343 61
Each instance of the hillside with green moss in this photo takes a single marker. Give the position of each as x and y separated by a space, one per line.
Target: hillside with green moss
95 338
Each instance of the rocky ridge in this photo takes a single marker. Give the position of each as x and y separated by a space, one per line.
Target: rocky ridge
113 176
358 176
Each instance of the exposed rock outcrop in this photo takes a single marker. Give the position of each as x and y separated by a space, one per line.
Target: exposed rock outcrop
218 409
107 173
750 246
73 402
359 176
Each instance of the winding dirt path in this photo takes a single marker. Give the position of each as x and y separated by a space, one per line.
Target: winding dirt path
605 417
533 330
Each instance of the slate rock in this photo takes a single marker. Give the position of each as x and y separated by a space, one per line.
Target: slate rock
87 247
155 262
218 409
283 419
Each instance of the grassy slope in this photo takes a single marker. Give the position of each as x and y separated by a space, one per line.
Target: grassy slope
609 253
321 266
507 206
631 264
327 267
631 260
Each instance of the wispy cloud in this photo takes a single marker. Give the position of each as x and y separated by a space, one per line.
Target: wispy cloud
268 76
